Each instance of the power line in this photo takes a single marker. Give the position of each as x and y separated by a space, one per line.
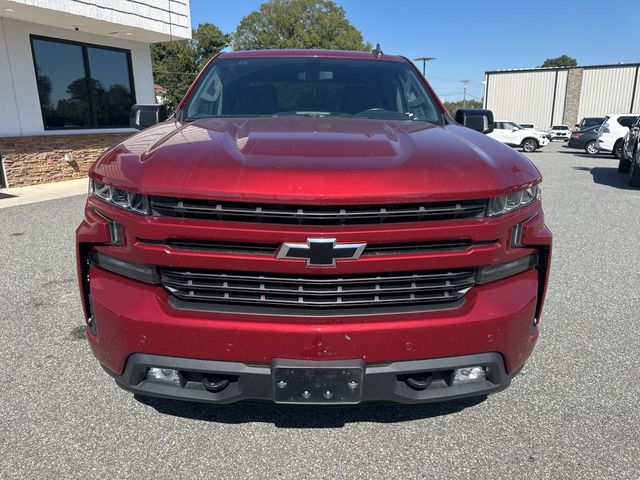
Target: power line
474 97
444 78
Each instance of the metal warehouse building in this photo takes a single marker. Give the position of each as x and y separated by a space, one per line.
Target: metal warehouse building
546 96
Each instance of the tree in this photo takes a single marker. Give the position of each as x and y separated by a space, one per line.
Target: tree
208 41
298 24
45 88
453 106
561 61
176 64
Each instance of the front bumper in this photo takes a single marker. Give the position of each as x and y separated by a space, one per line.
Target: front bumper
543 141
380 383
132 320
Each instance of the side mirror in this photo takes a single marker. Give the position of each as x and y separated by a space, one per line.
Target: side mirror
476 119
143 116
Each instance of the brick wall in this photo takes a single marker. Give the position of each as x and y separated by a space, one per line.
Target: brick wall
41 159
572 97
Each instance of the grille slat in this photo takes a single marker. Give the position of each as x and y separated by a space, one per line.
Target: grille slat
272 248
368 301
339 293
315 214
314 293
191 274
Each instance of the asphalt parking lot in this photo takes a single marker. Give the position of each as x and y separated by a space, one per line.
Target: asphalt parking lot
572 413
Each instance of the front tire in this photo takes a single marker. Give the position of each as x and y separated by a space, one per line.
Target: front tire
634 171
529 145
591 148
617 149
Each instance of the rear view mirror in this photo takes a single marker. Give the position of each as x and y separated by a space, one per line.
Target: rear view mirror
476 119
143 116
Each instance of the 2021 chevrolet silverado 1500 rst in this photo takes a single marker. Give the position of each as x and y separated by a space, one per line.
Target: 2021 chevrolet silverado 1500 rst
312 227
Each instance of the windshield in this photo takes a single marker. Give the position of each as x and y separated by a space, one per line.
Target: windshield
559 127
314 87
510 126
592 122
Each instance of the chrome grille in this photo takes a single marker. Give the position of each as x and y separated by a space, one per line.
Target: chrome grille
240 292
271 248
315 214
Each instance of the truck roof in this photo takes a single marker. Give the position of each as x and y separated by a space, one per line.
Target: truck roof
311 53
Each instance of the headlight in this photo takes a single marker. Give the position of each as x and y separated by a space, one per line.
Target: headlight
512 201
131 201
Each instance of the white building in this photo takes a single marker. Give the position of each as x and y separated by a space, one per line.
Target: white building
72 69
551 96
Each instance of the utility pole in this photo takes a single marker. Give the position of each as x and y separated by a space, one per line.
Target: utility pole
424 61
464 97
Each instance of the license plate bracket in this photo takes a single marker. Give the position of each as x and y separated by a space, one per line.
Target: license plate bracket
312 382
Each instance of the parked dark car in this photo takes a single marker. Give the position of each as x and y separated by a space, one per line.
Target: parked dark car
585 139
588 122
629 144
630 157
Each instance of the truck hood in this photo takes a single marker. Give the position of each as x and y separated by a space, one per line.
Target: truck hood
314 160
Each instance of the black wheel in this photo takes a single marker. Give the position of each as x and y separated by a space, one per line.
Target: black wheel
634 171
529 145
617 149
591 148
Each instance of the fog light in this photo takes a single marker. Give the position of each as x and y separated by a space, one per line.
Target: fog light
466 375
163 375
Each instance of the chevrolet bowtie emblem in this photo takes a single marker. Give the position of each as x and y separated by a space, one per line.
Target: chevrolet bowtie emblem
321 252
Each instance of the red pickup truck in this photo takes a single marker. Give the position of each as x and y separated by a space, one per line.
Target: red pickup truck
312 227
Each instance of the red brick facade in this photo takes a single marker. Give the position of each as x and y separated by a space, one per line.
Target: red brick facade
41 159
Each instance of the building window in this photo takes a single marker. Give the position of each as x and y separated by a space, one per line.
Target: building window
82 85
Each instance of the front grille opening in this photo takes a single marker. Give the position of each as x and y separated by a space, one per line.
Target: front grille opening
210 381
242 292
420 381
315 214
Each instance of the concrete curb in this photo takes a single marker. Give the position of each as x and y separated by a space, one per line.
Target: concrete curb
12 197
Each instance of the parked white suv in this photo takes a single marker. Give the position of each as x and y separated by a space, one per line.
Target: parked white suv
560 131
612 131
514 135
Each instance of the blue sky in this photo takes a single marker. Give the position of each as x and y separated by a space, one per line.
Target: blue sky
469 37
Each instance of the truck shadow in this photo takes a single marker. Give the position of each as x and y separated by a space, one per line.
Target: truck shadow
608 176
305 417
